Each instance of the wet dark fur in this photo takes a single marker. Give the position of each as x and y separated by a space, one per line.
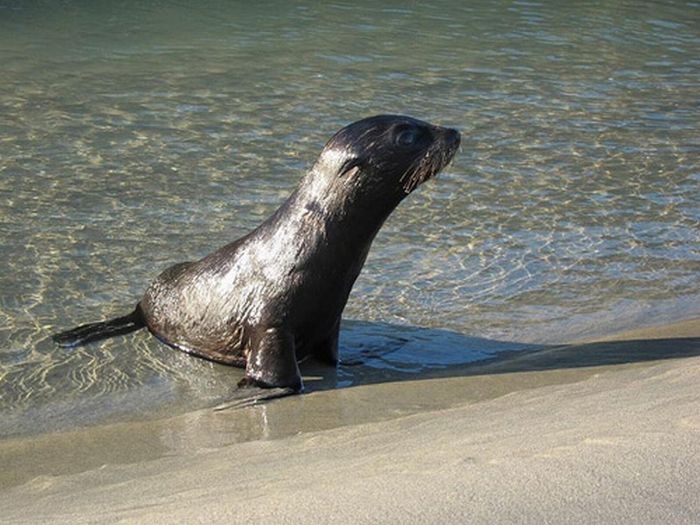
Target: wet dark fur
276 295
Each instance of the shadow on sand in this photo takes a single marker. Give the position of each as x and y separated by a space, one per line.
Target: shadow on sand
381 352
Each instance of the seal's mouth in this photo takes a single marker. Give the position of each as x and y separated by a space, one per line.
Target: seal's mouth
436 157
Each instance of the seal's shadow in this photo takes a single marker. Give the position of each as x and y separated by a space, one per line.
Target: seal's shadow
381 352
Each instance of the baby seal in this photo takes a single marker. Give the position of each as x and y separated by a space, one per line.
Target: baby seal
276 295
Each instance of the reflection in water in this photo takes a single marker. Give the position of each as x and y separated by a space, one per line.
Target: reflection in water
141 134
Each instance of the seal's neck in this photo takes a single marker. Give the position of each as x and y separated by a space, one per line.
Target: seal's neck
346 212
327 220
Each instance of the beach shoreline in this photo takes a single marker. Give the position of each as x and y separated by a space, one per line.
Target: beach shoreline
594 431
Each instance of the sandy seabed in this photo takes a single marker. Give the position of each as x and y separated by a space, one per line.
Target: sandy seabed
604 432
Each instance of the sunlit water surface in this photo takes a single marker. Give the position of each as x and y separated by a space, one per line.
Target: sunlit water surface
134 135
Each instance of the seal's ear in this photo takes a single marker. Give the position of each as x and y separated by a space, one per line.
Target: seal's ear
350 167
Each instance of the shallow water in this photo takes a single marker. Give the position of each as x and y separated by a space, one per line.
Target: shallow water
134 136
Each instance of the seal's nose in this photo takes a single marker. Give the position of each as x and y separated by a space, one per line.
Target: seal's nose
452 137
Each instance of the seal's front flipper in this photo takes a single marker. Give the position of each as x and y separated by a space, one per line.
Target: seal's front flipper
249 395
271 370
272 361
327 350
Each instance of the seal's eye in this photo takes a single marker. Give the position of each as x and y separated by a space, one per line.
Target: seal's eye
407 137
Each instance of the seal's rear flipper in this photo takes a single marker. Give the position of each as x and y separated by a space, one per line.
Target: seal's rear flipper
95 331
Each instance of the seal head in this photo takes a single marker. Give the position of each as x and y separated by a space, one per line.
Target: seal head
369 166
394 153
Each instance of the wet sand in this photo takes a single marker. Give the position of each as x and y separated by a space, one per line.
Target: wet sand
595 432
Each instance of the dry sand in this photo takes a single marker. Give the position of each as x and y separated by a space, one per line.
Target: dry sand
590 433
